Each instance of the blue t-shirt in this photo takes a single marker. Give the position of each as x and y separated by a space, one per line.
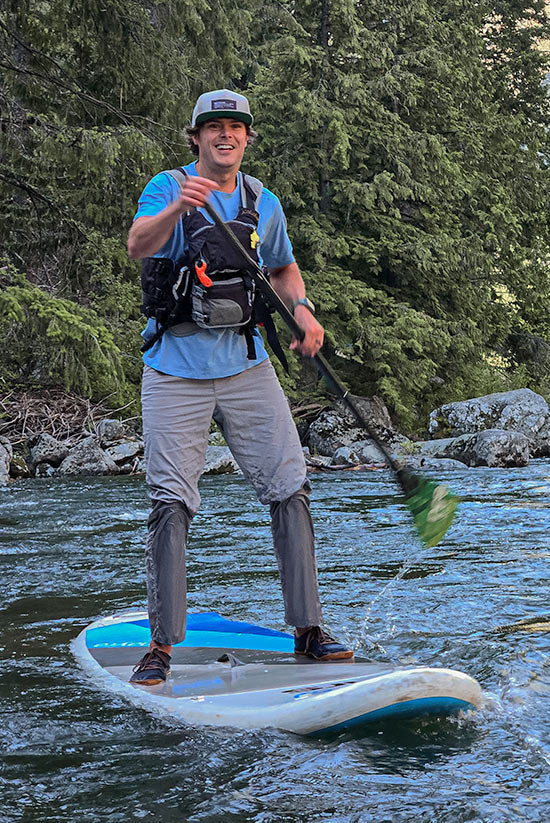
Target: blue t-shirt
210 353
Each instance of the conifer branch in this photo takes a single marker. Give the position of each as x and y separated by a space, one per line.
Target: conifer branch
74 86
32 191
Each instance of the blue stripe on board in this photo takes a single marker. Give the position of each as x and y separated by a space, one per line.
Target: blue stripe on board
214 622
422 706
120 635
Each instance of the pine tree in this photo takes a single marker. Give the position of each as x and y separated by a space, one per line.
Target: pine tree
94 98
412 177
408 143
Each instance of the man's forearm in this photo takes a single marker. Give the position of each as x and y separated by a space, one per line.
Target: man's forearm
287 282
149 234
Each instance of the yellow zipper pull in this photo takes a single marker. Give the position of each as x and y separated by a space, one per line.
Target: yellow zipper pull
254 239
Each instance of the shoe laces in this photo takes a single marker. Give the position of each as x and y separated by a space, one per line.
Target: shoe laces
153 658
317 633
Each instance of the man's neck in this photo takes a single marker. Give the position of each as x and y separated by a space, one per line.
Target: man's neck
226 180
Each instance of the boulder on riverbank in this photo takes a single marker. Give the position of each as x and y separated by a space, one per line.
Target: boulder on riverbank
362 452
335 441
420 462
87 457
521 411
126 451
219 460
496 448
110 431
46 449
337 427
539 446
6 454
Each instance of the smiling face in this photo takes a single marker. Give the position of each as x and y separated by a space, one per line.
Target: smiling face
221 143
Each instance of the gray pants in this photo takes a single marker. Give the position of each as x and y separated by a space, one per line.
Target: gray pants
254 415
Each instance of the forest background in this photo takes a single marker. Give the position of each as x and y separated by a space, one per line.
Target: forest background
407 141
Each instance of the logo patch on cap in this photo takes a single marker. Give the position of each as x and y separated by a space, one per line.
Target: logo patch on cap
224 104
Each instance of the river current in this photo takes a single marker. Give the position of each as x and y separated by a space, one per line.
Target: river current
71 550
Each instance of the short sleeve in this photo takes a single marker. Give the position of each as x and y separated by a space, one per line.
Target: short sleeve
275 248
159 192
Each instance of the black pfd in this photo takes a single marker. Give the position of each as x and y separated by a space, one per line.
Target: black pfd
210 286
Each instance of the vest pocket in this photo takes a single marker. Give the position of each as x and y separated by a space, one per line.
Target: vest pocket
226 303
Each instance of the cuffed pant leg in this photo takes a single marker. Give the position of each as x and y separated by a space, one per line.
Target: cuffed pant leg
293 539
168 525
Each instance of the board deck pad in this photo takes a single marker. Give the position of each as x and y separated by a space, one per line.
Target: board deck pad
237 674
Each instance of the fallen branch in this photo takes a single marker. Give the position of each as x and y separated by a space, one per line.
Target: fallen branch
66 416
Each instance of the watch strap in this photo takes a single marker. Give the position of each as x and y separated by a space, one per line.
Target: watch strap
303 301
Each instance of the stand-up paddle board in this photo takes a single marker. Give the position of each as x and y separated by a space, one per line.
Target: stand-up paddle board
231 673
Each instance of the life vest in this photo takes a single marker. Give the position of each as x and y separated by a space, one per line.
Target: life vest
210 286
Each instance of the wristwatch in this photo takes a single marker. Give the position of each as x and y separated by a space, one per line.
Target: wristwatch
303 301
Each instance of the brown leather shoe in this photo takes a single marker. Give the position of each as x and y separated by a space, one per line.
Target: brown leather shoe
153 668
321 646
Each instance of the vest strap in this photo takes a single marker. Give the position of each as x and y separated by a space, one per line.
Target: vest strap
251 192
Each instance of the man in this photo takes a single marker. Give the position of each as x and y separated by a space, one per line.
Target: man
195 371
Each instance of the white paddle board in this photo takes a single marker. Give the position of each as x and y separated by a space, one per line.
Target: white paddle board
258 682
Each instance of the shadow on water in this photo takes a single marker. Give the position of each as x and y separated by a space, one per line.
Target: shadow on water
417 742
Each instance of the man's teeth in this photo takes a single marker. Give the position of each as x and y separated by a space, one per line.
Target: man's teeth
224 146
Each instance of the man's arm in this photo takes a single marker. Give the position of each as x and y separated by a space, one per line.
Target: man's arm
287 282
149 233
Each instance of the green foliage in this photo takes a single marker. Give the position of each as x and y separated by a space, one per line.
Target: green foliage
52 341
409 145
93 101
407 142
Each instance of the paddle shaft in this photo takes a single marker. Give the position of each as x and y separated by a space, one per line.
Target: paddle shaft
326 370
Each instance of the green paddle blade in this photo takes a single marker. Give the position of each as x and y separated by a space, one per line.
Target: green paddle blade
433 507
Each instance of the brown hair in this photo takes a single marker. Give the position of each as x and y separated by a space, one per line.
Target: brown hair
192 131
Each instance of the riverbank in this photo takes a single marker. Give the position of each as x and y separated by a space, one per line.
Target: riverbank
60 435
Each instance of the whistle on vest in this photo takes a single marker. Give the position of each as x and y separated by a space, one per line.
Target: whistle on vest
254 239
202 276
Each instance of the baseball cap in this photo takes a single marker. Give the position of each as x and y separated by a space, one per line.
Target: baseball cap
221 103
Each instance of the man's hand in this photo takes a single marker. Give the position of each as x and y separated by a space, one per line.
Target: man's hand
287 282
149 234
314 333
195 191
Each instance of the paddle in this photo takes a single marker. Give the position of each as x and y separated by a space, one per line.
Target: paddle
432 504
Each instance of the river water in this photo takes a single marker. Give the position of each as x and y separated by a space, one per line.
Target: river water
72 550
